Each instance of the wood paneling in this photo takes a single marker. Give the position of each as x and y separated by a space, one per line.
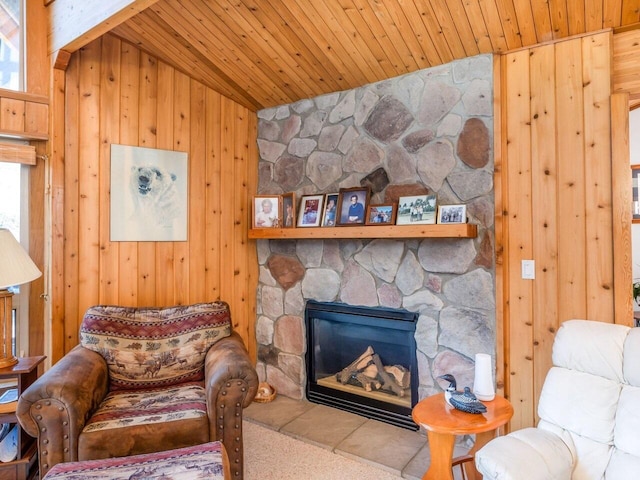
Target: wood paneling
15 153
116 94
621 205
265 54
626 65
24 115
557 200
559 196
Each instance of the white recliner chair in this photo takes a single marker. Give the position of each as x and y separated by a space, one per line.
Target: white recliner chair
589 412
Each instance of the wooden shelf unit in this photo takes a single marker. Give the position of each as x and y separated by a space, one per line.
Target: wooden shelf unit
462 230
25 466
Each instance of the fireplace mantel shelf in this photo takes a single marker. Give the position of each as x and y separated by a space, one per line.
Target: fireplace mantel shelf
464 230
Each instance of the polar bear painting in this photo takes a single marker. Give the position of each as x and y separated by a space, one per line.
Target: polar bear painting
148 194
154 194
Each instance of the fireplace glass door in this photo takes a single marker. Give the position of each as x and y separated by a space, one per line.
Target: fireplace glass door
363 360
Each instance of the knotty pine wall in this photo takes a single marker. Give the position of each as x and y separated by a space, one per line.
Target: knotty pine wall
554 204
114 93
553 187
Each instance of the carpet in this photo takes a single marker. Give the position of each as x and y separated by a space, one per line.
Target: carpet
270 455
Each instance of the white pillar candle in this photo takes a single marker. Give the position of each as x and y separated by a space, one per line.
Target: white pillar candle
483 381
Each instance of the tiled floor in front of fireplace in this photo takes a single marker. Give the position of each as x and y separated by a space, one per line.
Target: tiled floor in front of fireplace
394 449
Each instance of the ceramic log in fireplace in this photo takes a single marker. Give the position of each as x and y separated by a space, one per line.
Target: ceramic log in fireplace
342 340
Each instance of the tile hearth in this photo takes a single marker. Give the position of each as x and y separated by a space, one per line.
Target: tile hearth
393 449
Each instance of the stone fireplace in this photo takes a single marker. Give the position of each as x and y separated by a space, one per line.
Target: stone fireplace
426 132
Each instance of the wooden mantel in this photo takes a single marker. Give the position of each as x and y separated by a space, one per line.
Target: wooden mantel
464 230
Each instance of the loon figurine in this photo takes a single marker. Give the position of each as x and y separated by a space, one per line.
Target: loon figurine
464 401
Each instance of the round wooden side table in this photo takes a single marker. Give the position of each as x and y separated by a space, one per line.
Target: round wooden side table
444 422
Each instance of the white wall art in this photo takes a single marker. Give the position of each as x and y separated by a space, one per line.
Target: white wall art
148 194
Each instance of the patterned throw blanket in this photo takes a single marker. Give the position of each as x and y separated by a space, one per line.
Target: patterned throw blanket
190 463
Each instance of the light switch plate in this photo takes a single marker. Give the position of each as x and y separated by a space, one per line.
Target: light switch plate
528 269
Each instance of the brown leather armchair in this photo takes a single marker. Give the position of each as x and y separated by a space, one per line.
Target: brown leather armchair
123 392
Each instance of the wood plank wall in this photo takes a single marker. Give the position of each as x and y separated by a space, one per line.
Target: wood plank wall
114 93
626 62
24 115
553 190
556 204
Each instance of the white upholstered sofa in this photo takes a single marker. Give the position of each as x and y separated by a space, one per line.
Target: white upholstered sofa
589 411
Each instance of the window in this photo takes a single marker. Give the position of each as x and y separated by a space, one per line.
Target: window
13 188
10 197
11 44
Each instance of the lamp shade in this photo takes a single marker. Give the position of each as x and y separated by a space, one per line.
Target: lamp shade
16 267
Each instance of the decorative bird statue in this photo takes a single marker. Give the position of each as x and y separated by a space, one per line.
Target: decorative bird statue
464 401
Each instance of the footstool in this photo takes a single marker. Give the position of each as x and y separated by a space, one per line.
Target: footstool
208 460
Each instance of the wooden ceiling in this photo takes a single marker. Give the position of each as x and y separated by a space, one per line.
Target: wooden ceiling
264 53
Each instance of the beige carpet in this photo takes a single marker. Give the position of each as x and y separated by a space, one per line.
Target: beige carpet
270 455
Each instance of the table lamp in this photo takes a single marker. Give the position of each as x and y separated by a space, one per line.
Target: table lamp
16 268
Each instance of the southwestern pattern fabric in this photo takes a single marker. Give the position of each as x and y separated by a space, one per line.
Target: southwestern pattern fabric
139 407
151 347
190 463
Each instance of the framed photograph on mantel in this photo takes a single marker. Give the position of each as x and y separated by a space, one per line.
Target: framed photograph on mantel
330 209
452 214
266 211
416 210
352 206
381 214
288 210
310 211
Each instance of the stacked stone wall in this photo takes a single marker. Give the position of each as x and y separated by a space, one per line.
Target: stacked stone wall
426 132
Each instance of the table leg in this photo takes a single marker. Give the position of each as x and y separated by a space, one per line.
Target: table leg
441 448
481 440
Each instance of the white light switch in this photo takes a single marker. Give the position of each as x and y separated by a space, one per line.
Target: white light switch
528 269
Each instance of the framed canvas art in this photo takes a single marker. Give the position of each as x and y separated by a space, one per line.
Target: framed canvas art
148 194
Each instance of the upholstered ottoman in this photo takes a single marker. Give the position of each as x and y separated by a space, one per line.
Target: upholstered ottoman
208 460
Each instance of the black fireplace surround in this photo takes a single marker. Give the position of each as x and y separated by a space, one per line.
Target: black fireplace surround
337 334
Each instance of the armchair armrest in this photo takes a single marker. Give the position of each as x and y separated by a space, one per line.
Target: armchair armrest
231 382
55 407
540 453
